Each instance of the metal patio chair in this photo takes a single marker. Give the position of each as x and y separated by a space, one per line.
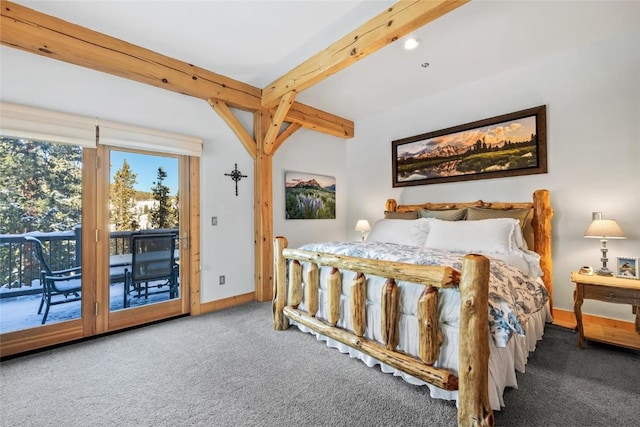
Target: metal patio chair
153 267
58 286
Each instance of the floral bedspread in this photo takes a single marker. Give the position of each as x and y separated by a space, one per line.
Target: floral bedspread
513 295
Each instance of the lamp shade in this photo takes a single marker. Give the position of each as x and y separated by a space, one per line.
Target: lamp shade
363 225
604 229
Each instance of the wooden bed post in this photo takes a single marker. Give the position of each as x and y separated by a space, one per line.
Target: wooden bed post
542 214
473 405
280 322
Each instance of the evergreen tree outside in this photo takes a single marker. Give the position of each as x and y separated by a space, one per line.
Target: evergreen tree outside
40 186
176 210
122 197
163 214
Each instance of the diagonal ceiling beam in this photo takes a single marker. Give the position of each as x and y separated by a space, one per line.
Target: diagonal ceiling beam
232 121
397 21
35 32
278 117
290 130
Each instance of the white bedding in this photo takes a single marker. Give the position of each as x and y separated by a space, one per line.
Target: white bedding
517 310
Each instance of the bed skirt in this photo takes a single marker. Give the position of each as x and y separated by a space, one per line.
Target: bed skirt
503 362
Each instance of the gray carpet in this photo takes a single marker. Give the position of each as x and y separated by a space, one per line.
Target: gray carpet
228 368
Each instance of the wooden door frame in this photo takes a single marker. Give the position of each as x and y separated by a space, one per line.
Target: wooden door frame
189 302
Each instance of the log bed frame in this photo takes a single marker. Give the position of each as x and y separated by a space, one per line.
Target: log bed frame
472 280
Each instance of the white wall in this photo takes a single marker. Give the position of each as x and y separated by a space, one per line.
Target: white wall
593 124
226 249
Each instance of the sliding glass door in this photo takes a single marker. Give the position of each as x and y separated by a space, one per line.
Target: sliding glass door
41 240
40 233
95 224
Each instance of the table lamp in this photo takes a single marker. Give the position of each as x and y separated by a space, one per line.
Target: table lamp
363 227
603 229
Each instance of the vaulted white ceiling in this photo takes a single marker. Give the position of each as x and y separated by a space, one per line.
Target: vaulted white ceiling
258 41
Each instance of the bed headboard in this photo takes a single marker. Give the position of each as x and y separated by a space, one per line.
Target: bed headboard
541 224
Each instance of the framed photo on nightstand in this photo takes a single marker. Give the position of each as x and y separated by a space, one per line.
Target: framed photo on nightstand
627 267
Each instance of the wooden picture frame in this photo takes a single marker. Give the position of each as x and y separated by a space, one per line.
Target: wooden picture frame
627 267
508 145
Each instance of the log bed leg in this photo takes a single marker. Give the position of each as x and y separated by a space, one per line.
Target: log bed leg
473 406
280 322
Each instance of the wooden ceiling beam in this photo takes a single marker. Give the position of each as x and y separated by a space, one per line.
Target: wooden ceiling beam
232 121
397 21
309 118
290 130
35 32
276 123
38 33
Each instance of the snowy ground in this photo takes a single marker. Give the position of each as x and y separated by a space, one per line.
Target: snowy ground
22 312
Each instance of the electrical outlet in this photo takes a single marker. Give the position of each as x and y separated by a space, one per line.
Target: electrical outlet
222 280
214 220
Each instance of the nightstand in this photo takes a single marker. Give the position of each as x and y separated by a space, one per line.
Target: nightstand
608 289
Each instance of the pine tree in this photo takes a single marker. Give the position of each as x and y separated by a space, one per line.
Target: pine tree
40 186
176 210
123 200
162 214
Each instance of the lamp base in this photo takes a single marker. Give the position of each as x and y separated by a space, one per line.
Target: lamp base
604 272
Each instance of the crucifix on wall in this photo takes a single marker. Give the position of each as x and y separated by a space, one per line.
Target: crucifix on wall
236 175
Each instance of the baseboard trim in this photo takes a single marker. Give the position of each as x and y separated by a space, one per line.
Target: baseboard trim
567 319
210 306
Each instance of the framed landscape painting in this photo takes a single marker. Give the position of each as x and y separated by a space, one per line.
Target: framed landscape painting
309 196
507 145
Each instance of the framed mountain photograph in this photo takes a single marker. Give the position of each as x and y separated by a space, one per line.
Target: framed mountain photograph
507 145
309 196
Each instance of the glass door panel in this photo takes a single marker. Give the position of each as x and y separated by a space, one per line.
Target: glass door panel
144 237
40 233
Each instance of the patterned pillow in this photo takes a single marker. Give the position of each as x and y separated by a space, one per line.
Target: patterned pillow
524 216
401 215
445 215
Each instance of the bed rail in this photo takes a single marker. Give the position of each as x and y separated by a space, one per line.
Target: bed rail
473 282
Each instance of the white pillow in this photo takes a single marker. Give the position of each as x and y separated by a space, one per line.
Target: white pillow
498 235
392 231
420 231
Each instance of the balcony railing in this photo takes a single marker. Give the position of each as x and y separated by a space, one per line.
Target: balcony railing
63 249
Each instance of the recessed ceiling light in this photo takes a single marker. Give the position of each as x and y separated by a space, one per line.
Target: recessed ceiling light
411 43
